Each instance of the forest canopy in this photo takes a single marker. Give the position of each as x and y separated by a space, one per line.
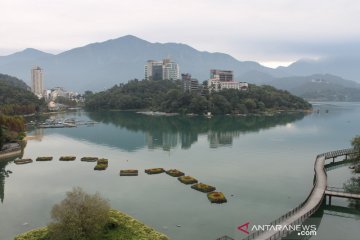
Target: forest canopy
168 96
16 97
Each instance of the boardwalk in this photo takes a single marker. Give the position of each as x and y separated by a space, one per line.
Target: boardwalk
312 202
339 192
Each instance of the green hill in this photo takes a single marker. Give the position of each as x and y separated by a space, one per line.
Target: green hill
16 97
167 96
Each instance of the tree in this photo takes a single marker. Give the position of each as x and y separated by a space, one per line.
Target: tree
2 137
356 145
79 216
353 186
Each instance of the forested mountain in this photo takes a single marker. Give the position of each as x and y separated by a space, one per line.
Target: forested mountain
98 66
101 65
319 87
16 97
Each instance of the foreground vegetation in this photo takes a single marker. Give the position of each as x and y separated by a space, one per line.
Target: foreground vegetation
124 228
353 184
12 128
15 99
83 216
168 96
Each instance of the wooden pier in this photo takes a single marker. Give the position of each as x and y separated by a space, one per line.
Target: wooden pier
319 191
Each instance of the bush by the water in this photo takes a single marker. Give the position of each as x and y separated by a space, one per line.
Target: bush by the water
79 216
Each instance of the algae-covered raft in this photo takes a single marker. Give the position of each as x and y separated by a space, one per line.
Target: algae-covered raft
102 164
41 159
129 172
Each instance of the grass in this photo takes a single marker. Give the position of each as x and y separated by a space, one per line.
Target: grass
154 170
44 158
187 180
89 159
126 228
216 197
175 173
129 172
67 158
203 187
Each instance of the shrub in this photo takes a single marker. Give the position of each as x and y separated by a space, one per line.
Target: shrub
79 216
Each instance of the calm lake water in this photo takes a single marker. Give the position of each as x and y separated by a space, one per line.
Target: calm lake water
263 165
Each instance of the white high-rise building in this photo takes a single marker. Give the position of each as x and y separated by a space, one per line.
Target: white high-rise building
37 81
161 70
171 70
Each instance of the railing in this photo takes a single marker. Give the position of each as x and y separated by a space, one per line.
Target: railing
295 210
337 189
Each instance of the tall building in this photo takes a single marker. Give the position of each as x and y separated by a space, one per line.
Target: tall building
189 84
153 70
223 79
171 70
37 81
161 70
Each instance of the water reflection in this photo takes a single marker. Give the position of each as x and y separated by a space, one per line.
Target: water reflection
169 132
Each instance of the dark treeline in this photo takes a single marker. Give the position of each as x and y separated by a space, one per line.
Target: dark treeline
16 98
168 96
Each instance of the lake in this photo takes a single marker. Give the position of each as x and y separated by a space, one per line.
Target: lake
263 165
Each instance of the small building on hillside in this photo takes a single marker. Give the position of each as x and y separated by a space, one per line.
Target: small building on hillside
223 79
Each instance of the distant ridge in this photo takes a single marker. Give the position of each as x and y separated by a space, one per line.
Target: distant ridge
100 65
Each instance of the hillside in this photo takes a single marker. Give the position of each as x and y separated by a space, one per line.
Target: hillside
101 65
98 66
16 98
167 96
319 87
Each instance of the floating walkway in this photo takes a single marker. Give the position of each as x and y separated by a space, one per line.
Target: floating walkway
312 202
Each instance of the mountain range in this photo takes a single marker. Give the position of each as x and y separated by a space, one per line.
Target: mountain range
101 65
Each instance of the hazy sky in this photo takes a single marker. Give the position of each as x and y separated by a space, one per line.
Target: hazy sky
269 31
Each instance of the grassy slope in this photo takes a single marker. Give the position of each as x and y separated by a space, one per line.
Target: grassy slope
129 229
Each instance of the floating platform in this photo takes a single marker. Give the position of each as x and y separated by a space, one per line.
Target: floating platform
102 164
203 187
216 197
154 170
23 161
43 159
129 172
67 158
187 179
175 173
89 159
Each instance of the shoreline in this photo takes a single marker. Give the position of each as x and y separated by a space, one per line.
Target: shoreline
9 153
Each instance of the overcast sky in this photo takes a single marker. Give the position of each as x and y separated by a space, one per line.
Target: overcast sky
272 32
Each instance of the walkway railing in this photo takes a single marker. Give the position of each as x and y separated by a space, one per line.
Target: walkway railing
319 186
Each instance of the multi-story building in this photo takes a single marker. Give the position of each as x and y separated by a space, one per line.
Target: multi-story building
223 79
162 70
37 81
153 70
222 75
171 70
189 84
